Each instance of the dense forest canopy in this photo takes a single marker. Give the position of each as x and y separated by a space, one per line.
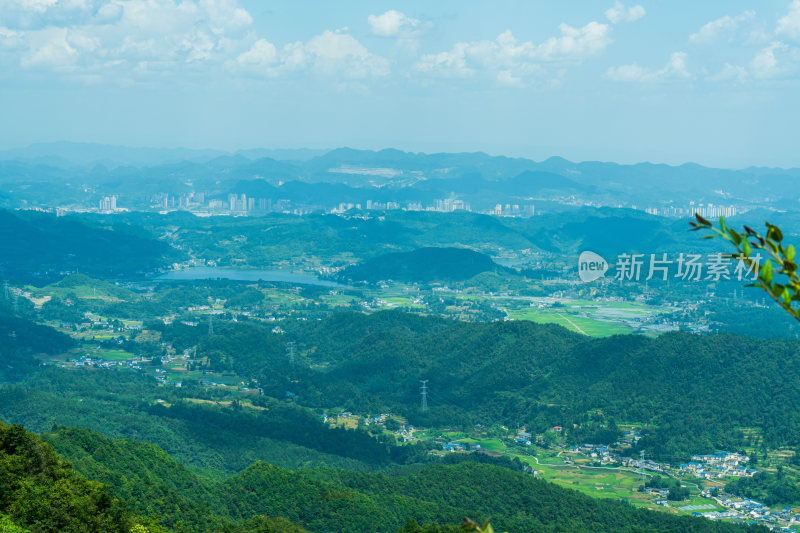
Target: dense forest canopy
425 265
319 500
38 247
528 374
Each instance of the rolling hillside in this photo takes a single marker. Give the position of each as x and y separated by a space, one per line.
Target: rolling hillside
39 248
424 265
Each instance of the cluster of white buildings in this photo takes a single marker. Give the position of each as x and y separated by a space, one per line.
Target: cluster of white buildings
447 205
242 204
751 510
108 204
198 203
704 210
717 465
513 210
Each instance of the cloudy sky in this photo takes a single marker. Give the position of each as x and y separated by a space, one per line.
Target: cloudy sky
667 81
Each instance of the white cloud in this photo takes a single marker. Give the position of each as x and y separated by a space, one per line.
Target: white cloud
465 59
575 43
224 15
723 25
730 72
332 51
776 60
619 13
765 64
675 69
509 61
789 24
38 14
90 36
392 24
774 56
261 55
453 61
53 52
9 39
132 39
39 6
335 53
506 77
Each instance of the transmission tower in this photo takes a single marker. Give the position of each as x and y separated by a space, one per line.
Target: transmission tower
210 325
423 390
290 352
5 289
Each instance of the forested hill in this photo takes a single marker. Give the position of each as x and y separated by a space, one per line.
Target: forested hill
21 340
43 493
693 392
424 265
39 247
329 499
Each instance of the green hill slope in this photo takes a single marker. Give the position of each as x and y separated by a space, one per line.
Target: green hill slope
535 375
21 340
36 248
83 286
337 500
425 265
40 492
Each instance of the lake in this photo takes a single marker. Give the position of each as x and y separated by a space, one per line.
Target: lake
237 274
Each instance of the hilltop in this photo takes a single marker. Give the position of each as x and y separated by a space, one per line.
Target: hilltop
424 265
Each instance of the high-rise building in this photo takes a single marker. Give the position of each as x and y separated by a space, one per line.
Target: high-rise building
108 203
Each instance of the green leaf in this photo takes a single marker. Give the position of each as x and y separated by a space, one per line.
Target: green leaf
790 252
766 272
786 297
746 248
737 239
774 232
777 290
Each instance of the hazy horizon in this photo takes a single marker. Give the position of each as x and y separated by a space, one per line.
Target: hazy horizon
5 149
624 82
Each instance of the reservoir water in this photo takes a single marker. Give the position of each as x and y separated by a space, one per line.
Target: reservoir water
238 274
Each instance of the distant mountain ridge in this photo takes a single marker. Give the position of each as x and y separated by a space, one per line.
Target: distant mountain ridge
383 175
90 154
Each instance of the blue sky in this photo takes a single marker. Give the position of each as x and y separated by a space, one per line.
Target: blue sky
664 81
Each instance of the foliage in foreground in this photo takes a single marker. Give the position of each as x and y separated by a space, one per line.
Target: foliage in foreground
780 259
40 492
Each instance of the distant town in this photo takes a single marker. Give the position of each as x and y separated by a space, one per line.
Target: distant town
201 204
